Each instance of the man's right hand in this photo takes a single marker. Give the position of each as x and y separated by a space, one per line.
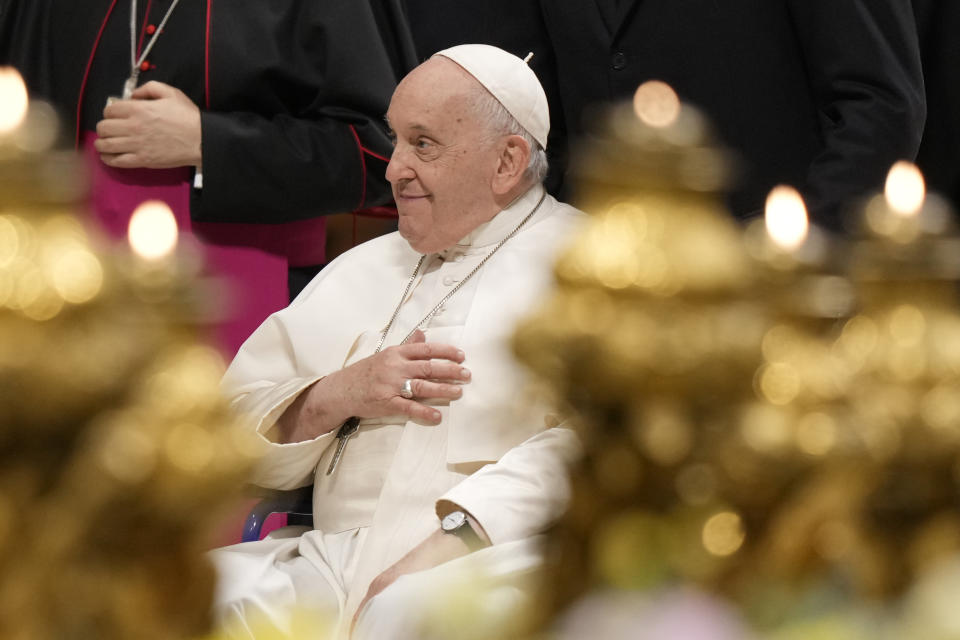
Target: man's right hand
370 388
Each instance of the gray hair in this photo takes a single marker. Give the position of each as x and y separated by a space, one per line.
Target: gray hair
499 122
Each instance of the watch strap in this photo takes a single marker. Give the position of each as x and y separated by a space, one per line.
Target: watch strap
467 533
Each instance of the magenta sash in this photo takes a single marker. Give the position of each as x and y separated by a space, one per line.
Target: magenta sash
249 259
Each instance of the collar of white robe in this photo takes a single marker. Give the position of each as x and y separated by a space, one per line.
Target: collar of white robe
350 427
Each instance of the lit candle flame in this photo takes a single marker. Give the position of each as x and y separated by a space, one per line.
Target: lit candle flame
656 104
13 99
905 189
153 230
786 217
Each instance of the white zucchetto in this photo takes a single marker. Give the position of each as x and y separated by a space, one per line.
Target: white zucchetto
510 80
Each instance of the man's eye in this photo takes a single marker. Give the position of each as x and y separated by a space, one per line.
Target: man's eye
422 143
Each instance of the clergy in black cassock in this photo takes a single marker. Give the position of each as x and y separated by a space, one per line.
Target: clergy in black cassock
288 97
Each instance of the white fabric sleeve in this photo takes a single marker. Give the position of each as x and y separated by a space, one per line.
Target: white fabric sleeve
523 493
283 466
261 382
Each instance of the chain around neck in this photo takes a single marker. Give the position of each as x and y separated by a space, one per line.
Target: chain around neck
416 270
135 62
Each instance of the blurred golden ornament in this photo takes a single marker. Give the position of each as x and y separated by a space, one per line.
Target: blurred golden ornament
760 417
118 455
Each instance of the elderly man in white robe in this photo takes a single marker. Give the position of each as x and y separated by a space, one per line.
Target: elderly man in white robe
389 382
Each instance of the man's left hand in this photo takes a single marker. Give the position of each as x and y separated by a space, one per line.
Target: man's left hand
438 548
158 128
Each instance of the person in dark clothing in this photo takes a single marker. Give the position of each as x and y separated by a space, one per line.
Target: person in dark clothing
823 95
938 23
251 120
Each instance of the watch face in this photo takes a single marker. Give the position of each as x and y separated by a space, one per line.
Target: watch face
453 521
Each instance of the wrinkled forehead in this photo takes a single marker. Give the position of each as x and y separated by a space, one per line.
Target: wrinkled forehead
442 75
436 86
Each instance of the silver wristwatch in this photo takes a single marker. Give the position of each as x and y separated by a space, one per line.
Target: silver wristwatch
456 523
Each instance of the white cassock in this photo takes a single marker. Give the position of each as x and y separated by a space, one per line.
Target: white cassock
496 453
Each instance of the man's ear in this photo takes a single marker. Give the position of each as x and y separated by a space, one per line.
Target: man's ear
511 164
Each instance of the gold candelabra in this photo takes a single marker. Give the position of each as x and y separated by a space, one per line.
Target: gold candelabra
773 420
117 454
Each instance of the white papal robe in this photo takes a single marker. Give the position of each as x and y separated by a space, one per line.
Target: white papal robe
496 453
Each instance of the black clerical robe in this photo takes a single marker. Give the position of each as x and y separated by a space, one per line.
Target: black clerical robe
292 95
293 92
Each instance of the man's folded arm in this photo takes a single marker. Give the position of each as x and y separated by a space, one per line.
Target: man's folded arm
261 382
283 466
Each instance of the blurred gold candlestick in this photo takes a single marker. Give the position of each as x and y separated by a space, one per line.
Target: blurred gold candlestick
653 337
117 452
757 419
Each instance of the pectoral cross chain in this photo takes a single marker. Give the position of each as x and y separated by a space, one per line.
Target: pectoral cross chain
346 430
350 427
130 85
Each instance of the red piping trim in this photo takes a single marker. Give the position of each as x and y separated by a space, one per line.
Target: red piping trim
363 168
143 29
86 73
206 60
374 154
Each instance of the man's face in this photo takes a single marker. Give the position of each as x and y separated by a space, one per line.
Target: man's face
443 161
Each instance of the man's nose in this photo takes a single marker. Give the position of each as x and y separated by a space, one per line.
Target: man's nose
398 169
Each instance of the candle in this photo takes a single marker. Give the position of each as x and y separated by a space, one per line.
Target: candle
785 240
153 232
785 217
905 189
13 100
905 211
656 104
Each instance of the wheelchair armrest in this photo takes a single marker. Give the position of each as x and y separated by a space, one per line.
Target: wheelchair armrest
296 503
